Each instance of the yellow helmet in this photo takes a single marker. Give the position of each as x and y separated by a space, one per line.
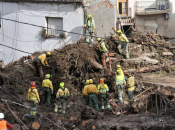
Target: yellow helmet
99 39
48 53
119 31
47 76
90 81
118 66
62 84
87 81
89 16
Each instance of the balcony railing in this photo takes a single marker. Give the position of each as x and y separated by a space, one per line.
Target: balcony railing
152 7
125 12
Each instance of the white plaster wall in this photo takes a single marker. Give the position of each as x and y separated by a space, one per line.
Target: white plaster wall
131 4
166 27
28 38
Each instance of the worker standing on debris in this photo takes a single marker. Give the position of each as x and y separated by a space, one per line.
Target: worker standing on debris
90 26
42 60
91 92
33 98
119 69
120 82
131 87
103 94
123 40
84 94
4 125
62 96
47 88
102 47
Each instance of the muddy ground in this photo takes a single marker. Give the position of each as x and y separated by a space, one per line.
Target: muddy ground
75 63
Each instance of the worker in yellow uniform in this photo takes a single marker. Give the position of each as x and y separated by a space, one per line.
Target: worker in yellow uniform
123 43
42 61
102 47
47 88
62 96
91 92
130 85
103 94
84 94
33 98
90 26
119 69
120 82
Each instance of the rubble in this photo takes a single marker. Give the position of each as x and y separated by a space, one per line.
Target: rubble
77 62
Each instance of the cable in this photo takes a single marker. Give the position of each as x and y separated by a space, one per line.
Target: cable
16 49
46 27
29 107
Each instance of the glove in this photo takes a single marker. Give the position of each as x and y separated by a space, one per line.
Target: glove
84 26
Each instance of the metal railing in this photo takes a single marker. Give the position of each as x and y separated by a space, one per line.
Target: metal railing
125 12
142 6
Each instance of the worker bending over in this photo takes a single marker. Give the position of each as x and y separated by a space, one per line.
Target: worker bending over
47 88
33 98
4 125
120 82
103 94
104 51
84 93
90 26
62 96
122 40
130 85
42 61
91 92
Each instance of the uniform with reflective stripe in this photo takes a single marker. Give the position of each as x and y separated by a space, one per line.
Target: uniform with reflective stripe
120 79
130 84
33 94
102 47
62 92
103 88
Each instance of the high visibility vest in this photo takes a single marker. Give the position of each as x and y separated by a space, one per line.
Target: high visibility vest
103 88
102 47
130 84
90 23
3 125
33 94
120 79
123 38
60 92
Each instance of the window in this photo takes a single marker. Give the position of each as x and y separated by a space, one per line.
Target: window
122 5
53 25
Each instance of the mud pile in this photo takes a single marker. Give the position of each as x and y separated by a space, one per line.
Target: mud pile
73 64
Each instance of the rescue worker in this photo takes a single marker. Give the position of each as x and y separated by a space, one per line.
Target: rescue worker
130 85
119 69
48 89
62 95
90 26
33 98
4 125
123 40
103 94
91 92
120 82
84 94
42 61
102 47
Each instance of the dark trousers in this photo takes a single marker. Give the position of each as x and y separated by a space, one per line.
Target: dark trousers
93 100
46 96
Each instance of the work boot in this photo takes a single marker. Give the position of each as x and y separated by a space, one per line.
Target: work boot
109 109
102 110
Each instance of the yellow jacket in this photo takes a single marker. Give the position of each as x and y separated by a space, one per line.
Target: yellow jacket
43 59
90 23
60 92
33 94
84 90
117 71
130 84
91 88
103 88
102 47
120 79
47 83
123 38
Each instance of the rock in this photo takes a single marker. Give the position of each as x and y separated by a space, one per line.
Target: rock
17 127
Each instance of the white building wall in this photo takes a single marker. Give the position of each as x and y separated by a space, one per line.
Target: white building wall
27 37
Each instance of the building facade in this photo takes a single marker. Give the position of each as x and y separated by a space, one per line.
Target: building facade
155 15
36 25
